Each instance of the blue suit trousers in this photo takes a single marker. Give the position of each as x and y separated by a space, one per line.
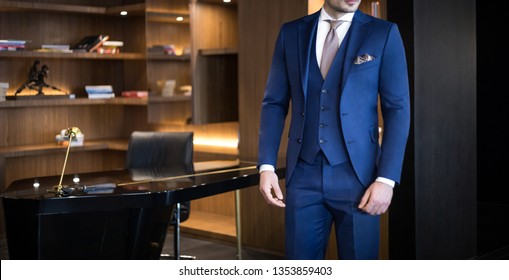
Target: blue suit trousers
320 195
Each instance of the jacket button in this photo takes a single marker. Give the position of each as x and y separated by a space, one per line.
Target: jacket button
299 140
303 114
321 141
324 91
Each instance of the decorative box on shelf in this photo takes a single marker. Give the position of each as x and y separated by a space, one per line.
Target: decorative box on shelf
63 139
3 90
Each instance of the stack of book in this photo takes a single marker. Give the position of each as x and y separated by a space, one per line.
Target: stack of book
3 90
90 43
135 93
55 48
162 49
99 91
12 45
110 47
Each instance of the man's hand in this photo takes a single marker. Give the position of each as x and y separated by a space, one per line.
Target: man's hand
269 183
376 199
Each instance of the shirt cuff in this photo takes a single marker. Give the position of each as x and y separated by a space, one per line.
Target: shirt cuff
266 167
386 181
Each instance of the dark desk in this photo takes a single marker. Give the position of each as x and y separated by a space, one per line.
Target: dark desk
118 217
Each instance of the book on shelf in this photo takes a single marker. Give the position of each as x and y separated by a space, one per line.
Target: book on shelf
162 49
55 48
98 88
99 91
110 47
135 93
12 45
110 43
101 95
90 43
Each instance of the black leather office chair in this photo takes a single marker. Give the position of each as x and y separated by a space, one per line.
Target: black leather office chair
154 154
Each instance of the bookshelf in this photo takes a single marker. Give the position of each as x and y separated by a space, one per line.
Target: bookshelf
28 127
53 22
214 61
203 32
163 29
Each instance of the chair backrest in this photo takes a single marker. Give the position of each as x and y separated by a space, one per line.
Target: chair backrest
155 149
168 153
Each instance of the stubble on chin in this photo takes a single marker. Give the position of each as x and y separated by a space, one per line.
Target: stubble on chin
342 7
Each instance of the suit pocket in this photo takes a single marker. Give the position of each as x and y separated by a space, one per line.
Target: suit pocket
365 65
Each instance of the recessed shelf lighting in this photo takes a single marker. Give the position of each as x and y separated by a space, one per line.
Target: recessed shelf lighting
227 1
123 13
180 18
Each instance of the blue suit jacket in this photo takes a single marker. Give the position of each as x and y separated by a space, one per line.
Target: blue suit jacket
385 76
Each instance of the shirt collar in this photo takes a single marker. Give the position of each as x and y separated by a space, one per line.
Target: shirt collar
346 17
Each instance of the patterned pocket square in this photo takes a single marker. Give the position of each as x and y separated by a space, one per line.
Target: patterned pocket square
363 58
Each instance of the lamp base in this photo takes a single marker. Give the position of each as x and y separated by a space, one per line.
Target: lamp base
64 190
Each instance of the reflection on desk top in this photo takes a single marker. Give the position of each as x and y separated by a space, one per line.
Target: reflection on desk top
164 187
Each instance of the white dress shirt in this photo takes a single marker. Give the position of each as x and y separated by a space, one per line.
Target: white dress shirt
324 27
321 33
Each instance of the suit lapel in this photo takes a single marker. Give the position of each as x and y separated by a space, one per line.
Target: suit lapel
358 31
307 31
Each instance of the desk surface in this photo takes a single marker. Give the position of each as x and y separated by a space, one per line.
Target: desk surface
119 214
130 188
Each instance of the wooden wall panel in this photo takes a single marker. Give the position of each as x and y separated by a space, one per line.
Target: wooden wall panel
174 5
135 118
214 26
36 125
175 112
216 85
162 33
260 20
222 204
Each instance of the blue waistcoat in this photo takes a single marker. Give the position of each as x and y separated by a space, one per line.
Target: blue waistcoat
322 127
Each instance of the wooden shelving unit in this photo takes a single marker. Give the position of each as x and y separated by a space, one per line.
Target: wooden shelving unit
168 17
73 102
220 51
214 61
38 55
28 127
166 99
15 6
183 58
138 8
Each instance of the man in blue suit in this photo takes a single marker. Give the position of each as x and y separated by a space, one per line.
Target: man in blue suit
337 172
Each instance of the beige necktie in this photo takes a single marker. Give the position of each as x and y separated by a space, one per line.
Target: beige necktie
330 47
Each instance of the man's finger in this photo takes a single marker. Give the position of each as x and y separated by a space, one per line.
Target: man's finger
364 200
